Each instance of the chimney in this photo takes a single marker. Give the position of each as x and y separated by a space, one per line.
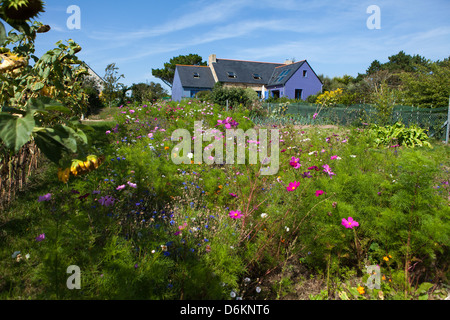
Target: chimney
288 62
212 59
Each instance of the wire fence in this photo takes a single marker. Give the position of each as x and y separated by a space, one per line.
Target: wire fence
432 119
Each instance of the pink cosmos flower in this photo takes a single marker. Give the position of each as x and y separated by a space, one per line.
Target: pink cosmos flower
108 132
314 168
350 223
150 135
40 237
295 163
327 169
315 115
319 192
120 187
133 185
333 157
233 195
292 186
235 214
46 197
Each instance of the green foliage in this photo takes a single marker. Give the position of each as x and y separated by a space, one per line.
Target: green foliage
399 135
147 92
168 233
167 73
113 92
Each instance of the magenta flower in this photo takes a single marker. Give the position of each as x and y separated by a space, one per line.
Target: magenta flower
120 187
295 163
235 214
315 115
350 223
319 192
292 186
233 195
46 197
314 168
40 237
108 132
334 157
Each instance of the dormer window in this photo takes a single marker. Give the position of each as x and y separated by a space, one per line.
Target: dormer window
256 76
231 75
196 75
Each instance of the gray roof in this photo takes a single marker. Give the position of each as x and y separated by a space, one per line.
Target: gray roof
244 71
204 80
283 73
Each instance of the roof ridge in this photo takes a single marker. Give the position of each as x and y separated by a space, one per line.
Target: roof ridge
250 61
289 64
189 65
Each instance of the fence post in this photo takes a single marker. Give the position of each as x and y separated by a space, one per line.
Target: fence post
448 122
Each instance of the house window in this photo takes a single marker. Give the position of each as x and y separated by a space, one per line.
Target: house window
305 73
276 93
259 94
256 76
196 75
298 94
283 75
231 75
194 92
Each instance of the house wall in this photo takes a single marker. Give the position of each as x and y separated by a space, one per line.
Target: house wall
177 88
310 84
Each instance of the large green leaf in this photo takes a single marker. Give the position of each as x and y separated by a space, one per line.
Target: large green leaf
56 141
2 34
16 131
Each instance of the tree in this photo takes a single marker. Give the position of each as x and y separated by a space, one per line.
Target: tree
113 90
167 73
428 87
143 92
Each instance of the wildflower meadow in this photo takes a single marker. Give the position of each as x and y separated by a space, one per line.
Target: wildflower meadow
343 217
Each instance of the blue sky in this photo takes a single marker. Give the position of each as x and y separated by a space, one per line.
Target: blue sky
331 35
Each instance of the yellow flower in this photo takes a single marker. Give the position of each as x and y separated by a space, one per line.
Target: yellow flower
166 148
383 278
220 187
361 290
63 175
385 258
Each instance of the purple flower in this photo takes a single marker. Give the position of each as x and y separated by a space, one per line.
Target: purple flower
106 201
40 237
307 174
133 185
46 197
